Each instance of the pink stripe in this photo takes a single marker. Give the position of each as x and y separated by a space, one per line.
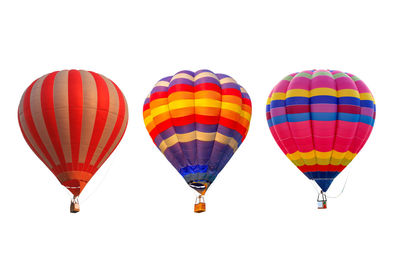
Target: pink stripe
346 129
323 107
345 83
300 83
278 111
323 81
300 129
367 111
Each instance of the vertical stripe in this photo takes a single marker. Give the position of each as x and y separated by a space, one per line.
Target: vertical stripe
89 113
27 135
32 129
101 116
75 106
110 121
61 109
118 139
117 124
49 116
38 109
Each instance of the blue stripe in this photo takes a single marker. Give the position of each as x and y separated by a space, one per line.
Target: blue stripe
297 100
367 120
298 117
324 184
321 175
324 99
367 104
277 103
348 117
347 100
193 169
279 119
323 116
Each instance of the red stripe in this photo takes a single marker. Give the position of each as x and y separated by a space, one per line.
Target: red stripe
103 99
49 115
323 168
180 121
232 91
349 109
246 101
233 125
146 106
153 134
207 87
297 109
31 126
158 95
75 103
117 127
26 137
163 126
203 119
180 87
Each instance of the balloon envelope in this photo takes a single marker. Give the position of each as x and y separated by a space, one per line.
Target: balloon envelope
321 119
73 120
197 120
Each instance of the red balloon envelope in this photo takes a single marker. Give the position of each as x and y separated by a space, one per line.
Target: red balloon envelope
73 120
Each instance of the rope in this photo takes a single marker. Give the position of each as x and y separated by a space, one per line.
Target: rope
318 190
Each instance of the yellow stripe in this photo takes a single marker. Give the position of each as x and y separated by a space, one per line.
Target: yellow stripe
323 91
297 93
148 119
321 158
278 96
367 96
159 110
245 115
230 106
348 93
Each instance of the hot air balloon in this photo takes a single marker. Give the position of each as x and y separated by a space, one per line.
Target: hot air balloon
73 120
198 121
321 119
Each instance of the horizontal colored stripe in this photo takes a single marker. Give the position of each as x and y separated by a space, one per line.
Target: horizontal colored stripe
193 169
196 135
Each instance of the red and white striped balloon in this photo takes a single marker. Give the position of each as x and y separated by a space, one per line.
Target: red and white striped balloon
73 120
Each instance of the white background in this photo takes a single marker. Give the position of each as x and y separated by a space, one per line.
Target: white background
261 209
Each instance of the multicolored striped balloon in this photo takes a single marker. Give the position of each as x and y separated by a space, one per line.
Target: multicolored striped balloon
321 119
198 120
73 120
